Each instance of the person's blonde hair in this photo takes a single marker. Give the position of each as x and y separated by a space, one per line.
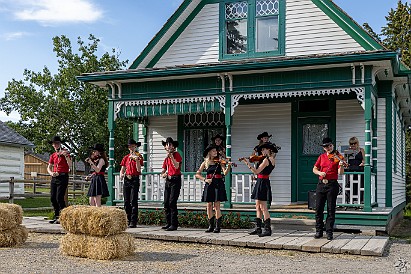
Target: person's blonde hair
354 140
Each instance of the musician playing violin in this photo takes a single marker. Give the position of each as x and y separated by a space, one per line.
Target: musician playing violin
214 188
130 173
218 141
262 190
327 167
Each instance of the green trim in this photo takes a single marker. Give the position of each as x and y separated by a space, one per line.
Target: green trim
228 122
110 171
145 147
241 66
294 151
175 35
388 149
367 148
394 125
180 139
160 34
348 25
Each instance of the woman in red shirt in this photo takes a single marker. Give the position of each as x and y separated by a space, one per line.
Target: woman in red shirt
327 167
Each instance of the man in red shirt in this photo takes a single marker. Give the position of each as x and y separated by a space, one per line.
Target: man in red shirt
327 168
171 172
130 173
58 168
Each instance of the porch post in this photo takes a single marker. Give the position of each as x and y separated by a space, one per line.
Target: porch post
375 147
111 128
144 169
367 167
228 178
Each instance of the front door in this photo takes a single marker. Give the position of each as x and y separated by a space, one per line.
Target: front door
311 132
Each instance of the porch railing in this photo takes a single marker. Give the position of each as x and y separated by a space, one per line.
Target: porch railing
152 188
352 189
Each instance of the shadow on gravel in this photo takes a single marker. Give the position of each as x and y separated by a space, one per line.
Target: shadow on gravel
39 245
158 257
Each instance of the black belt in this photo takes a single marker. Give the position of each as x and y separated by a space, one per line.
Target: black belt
63 174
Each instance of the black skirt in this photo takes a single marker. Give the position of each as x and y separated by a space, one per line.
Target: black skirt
98 186
262 190
214 192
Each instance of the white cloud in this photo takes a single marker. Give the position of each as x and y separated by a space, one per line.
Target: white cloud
13 117
58 11
14 35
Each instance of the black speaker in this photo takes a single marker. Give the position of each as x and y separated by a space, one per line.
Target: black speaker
312 199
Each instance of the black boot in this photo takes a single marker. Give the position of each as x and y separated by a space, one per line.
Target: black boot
258 224
211 224
267 228
318 234
330 235
218 224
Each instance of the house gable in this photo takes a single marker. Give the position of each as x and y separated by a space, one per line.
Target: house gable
194 33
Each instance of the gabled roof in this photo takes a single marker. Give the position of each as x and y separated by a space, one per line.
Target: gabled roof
9 136
187 11
46 156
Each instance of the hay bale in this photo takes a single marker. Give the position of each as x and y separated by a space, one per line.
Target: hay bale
12 237
11 216
100 248
94 221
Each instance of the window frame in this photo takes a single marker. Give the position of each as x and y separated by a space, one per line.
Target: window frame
252 32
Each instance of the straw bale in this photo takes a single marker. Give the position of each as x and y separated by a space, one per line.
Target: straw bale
11 216
100 248
93 221
12 237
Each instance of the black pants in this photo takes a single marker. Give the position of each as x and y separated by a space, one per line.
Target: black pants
131 188
58 189
326 193
171 193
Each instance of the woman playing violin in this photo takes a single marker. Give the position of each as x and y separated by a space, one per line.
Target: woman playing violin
328 166
214 188
262 190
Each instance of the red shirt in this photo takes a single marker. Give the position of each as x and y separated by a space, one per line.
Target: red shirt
130 165
168 165
59 163
328 166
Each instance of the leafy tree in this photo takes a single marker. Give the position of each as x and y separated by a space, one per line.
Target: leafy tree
61 105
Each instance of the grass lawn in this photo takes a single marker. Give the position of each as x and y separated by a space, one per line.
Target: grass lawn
32 202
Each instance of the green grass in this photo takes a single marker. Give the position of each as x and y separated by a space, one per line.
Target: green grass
32 202
38 213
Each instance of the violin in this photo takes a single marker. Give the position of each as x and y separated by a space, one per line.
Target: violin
223 162
337 157
253 158
135 156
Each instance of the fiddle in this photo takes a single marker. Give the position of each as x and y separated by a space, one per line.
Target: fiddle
253 158
337 157
135 156
223 162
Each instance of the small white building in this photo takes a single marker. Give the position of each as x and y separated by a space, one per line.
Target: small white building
12 147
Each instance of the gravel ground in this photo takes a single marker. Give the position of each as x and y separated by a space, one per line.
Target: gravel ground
40 254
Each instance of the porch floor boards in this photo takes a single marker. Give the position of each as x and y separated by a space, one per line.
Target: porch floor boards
297 240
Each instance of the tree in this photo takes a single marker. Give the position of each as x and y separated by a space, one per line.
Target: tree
61 105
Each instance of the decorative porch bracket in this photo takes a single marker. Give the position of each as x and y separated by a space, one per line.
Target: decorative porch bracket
359 91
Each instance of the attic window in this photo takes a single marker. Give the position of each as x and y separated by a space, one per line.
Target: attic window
252 28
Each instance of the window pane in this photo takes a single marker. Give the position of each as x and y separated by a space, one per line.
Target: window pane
267 33
313 135
236 10
236 33
267 7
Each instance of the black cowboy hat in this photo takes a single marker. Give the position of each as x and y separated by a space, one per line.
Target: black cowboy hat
264 134
207 150
170 140
218 136
98 147
133 142
327 141
270 146
55 139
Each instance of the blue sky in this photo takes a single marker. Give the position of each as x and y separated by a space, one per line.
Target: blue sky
28 26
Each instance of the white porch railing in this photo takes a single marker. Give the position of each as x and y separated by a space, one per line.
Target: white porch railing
152 188
352 185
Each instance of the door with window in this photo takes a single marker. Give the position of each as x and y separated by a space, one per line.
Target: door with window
199 128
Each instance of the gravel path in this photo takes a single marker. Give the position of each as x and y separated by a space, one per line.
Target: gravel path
40 254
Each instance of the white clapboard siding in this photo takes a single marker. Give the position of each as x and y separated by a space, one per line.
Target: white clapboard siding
198 43
398 176
310 31
349 122
168 34
11 165
381 152
251 120
160 128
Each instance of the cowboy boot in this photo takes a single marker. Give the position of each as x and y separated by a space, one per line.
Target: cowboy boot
218 225
257 230
211 225
267 228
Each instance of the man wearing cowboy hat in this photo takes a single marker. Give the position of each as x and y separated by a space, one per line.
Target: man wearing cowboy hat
58 168
327 189
172 173
130 172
